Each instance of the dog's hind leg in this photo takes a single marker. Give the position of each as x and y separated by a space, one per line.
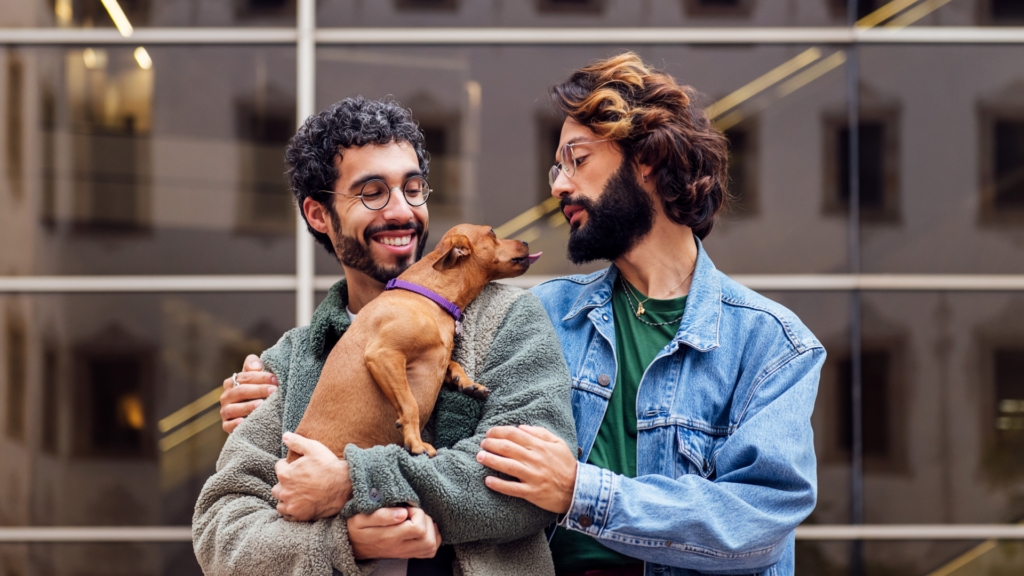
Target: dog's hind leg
456 377
387 366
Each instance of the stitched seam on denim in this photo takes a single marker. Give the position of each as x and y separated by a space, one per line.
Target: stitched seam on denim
793 338
710 552
685 423
601 391
757 384
572 314
604 503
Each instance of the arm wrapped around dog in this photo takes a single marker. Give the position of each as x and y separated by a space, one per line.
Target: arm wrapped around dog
236 528
530 384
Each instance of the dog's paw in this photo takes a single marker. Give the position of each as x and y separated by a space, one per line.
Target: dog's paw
421 448
476 391
451 383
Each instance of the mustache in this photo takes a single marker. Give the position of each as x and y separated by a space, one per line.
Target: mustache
585 203
415 226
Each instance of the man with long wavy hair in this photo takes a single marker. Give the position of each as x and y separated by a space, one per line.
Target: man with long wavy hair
692 394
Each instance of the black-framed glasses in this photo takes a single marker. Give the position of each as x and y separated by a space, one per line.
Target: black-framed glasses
567 161
375 194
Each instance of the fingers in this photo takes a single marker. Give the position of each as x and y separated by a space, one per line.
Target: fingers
504 465
230 425
506 448
540 432
239 411
517 489
303 445
382 518
516 435
252 364
245 392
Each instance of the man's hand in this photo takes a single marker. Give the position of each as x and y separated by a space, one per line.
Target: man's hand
237 402
314 486
393 533
544 465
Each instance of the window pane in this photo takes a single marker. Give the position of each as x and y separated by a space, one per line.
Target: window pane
948 399
487 109
145 13
104 381
178 168
951 167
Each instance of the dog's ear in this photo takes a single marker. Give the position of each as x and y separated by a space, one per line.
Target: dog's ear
458 248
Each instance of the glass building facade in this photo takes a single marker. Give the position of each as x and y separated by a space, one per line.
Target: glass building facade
148 240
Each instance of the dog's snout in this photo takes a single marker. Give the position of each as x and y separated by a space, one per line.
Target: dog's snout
525 244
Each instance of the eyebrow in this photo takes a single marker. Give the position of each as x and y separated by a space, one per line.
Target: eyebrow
574 140
359 182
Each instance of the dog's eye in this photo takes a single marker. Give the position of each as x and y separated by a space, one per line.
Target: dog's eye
491 232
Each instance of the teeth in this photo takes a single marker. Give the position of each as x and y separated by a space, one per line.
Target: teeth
403 241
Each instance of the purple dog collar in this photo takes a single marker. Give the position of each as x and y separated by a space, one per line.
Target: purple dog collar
437 298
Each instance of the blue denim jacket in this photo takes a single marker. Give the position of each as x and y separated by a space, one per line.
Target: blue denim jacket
725 451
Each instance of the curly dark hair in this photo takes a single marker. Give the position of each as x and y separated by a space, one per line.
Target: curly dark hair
655 122
351 122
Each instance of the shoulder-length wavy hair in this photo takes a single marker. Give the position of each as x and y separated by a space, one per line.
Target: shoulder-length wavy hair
656 123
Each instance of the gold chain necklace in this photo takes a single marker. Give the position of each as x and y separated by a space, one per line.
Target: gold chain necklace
640 303
638 312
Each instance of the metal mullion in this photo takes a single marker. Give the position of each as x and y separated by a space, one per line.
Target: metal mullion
305 263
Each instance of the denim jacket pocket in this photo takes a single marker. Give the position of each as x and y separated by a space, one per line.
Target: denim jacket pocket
697 452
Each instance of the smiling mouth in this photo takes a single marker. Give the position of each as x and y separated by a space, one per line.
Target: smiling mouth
397 241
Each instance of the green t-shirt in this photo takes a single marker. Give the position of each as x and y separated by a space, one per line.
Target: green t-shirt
636 343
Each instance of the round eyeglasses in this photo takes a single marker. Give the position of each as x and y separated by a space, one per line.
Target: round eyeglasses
567 161
375 194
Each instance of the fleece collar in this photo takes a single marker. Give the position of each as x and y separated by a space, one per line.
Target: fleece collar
329 321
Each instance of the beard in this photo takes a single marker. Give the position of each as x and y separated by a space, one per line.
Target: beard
620 218
358 256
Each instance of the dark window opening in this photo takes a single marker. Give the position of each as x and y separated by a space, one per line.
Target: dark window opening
51 399
91 13
1009 380
427 4
1010 12
549 131
590 6
718 7
258 8
116 405
15 83
742 170
266 199
17 368
1008 192
877 165
864 7
875 403
441 141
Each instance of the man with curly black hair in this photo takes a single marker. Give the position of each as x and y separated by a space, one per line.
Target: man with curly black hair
359 175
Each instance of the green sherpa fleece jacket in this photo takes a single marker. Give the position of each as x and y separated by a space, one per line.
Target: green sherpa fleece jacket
508 345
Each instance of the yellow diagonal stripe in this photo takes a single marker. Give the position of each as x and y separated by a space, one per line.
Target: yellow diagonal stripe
526 218
765 81
811 74
189 410
916 13
883 13
189 430
117 15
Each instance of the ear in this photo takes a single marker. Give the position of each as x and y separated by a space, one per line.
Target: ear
316 215
458 248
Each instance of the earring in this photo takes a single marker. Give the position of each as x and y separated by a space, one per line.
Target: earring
644 176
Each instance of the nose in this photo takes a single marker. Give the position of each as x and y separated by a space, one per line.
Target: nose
398 208
525 244
562 186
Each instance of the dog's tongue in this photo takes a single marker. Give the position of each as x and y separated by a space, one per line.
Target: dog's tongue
533 257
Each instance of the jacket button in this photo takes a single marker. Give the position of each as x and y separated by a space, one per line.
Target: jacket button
374 494
604 380
579 452
586 522
605 317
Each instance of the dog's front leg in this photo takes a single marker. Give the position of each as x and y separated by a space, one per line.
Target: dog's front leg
456 377
387 366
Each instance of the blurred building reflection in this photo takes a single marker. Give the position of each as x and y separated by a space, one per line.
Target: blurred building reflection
111 167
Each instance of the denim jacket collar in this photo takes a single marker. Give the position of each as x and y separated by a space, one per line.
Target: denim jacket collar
699 327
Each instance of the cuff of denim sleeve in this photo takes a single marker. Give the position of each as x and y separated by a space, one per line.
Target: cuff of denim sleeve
590 499
342 555
376 478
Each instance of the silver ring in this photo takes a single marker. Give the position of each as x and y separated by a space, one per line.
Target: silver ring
233 381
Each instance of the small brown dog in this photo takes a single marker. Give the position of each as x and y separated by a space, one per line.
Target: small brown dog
381 380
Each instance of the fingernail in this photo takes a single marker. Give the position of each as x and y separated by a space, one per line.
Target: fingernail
271 390
256 365
257 404
480 456
488 480
273 379
399 515
286 435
